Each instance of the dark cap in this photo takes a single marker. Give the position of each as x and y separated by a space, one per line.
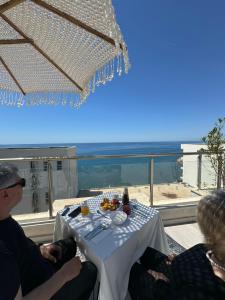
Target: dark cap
8 175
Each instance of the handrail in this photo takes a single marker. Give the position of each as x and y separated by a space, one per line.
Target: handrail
151 157
84 157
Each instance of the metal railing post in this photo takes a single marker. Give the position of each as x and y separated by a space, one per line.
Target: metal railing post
50 193
223 174
151 198
199 175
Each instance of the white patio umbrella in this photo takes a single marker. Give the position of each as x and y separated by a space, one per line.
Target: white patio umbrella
56 51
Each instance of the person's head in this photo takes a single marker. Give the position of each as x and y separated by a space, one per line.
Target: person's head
11 188
211 220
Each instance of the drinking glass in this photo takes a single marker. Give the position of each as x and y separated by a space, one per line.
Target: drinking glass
84 209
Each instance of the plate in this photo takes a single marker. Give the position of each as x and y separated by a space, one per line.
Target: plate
108 210
118 217
104 211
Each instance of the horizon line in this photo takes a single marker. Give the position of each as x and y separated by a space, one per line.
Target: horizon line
107 142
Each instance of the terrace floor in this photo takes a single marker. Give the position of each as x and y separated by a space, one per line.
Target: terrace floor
164 194
186 235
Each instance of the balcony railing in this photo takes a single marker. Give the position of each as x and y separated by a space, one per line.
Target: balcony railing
190 168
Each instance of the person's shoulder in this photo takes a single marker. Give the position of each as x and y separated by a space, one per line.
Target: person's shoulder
194 277
194 257
192 266
198 247
8 221
196 250
9 224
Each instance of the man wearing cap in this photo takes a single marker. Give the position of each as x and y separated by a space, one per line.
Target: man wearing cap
36 265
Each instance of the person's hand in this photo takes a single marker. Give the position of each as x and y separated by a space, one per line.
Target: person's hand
71 269
158 275
170 258
51 252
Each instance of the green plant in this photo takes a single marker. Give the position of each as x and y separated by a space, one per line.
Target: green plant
215 142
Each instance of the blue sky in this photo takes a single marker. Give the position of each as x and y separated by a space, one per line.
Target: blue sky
175 89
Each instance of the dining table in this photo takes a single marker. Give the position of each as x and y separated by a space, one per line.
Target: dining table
113 248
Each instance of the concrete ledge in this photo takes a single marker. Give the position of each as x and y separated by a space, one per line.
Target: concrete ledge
39 232
178 214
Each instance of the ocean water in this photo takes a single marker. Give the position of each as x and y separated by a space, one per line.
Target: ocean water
116 172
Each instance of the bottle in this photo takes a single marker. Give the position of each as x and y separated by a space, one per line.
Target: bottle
125 198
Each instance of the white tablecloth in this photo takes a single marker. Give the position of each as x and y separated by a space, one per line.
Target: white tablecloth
115 250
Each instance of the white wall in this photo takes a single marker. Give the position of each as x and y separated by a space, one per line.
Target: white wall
190 167
65 181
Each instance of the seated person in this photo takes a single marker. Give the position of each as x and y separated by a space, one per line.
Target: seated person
10 278
36 265
195 274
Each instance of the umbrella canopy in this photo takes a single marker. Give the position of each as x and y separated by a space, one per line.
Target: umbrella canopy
55 52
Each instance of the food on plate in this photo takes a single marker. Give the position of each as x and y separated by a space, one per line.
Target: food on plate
106 200
106 204
115 202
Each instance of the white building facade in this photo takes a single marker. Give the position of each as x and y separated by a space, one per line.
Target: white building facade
191 168
36 192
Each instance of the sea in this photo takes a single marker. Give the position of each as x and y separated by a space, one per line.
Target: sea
114 172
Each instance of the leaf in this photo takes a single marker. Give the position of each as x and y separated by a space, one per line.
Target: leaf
215 142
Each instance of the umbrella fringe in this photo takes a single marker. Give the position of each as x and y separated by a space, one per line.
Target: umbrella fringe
104 70
16 99
107 72
101 76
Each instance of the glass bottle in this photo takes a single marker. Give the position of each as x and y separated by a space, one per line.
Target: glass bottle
125 198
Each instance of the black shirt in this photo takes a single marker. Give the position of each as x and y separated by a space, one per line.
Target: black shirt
33 268
193 277
9 274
